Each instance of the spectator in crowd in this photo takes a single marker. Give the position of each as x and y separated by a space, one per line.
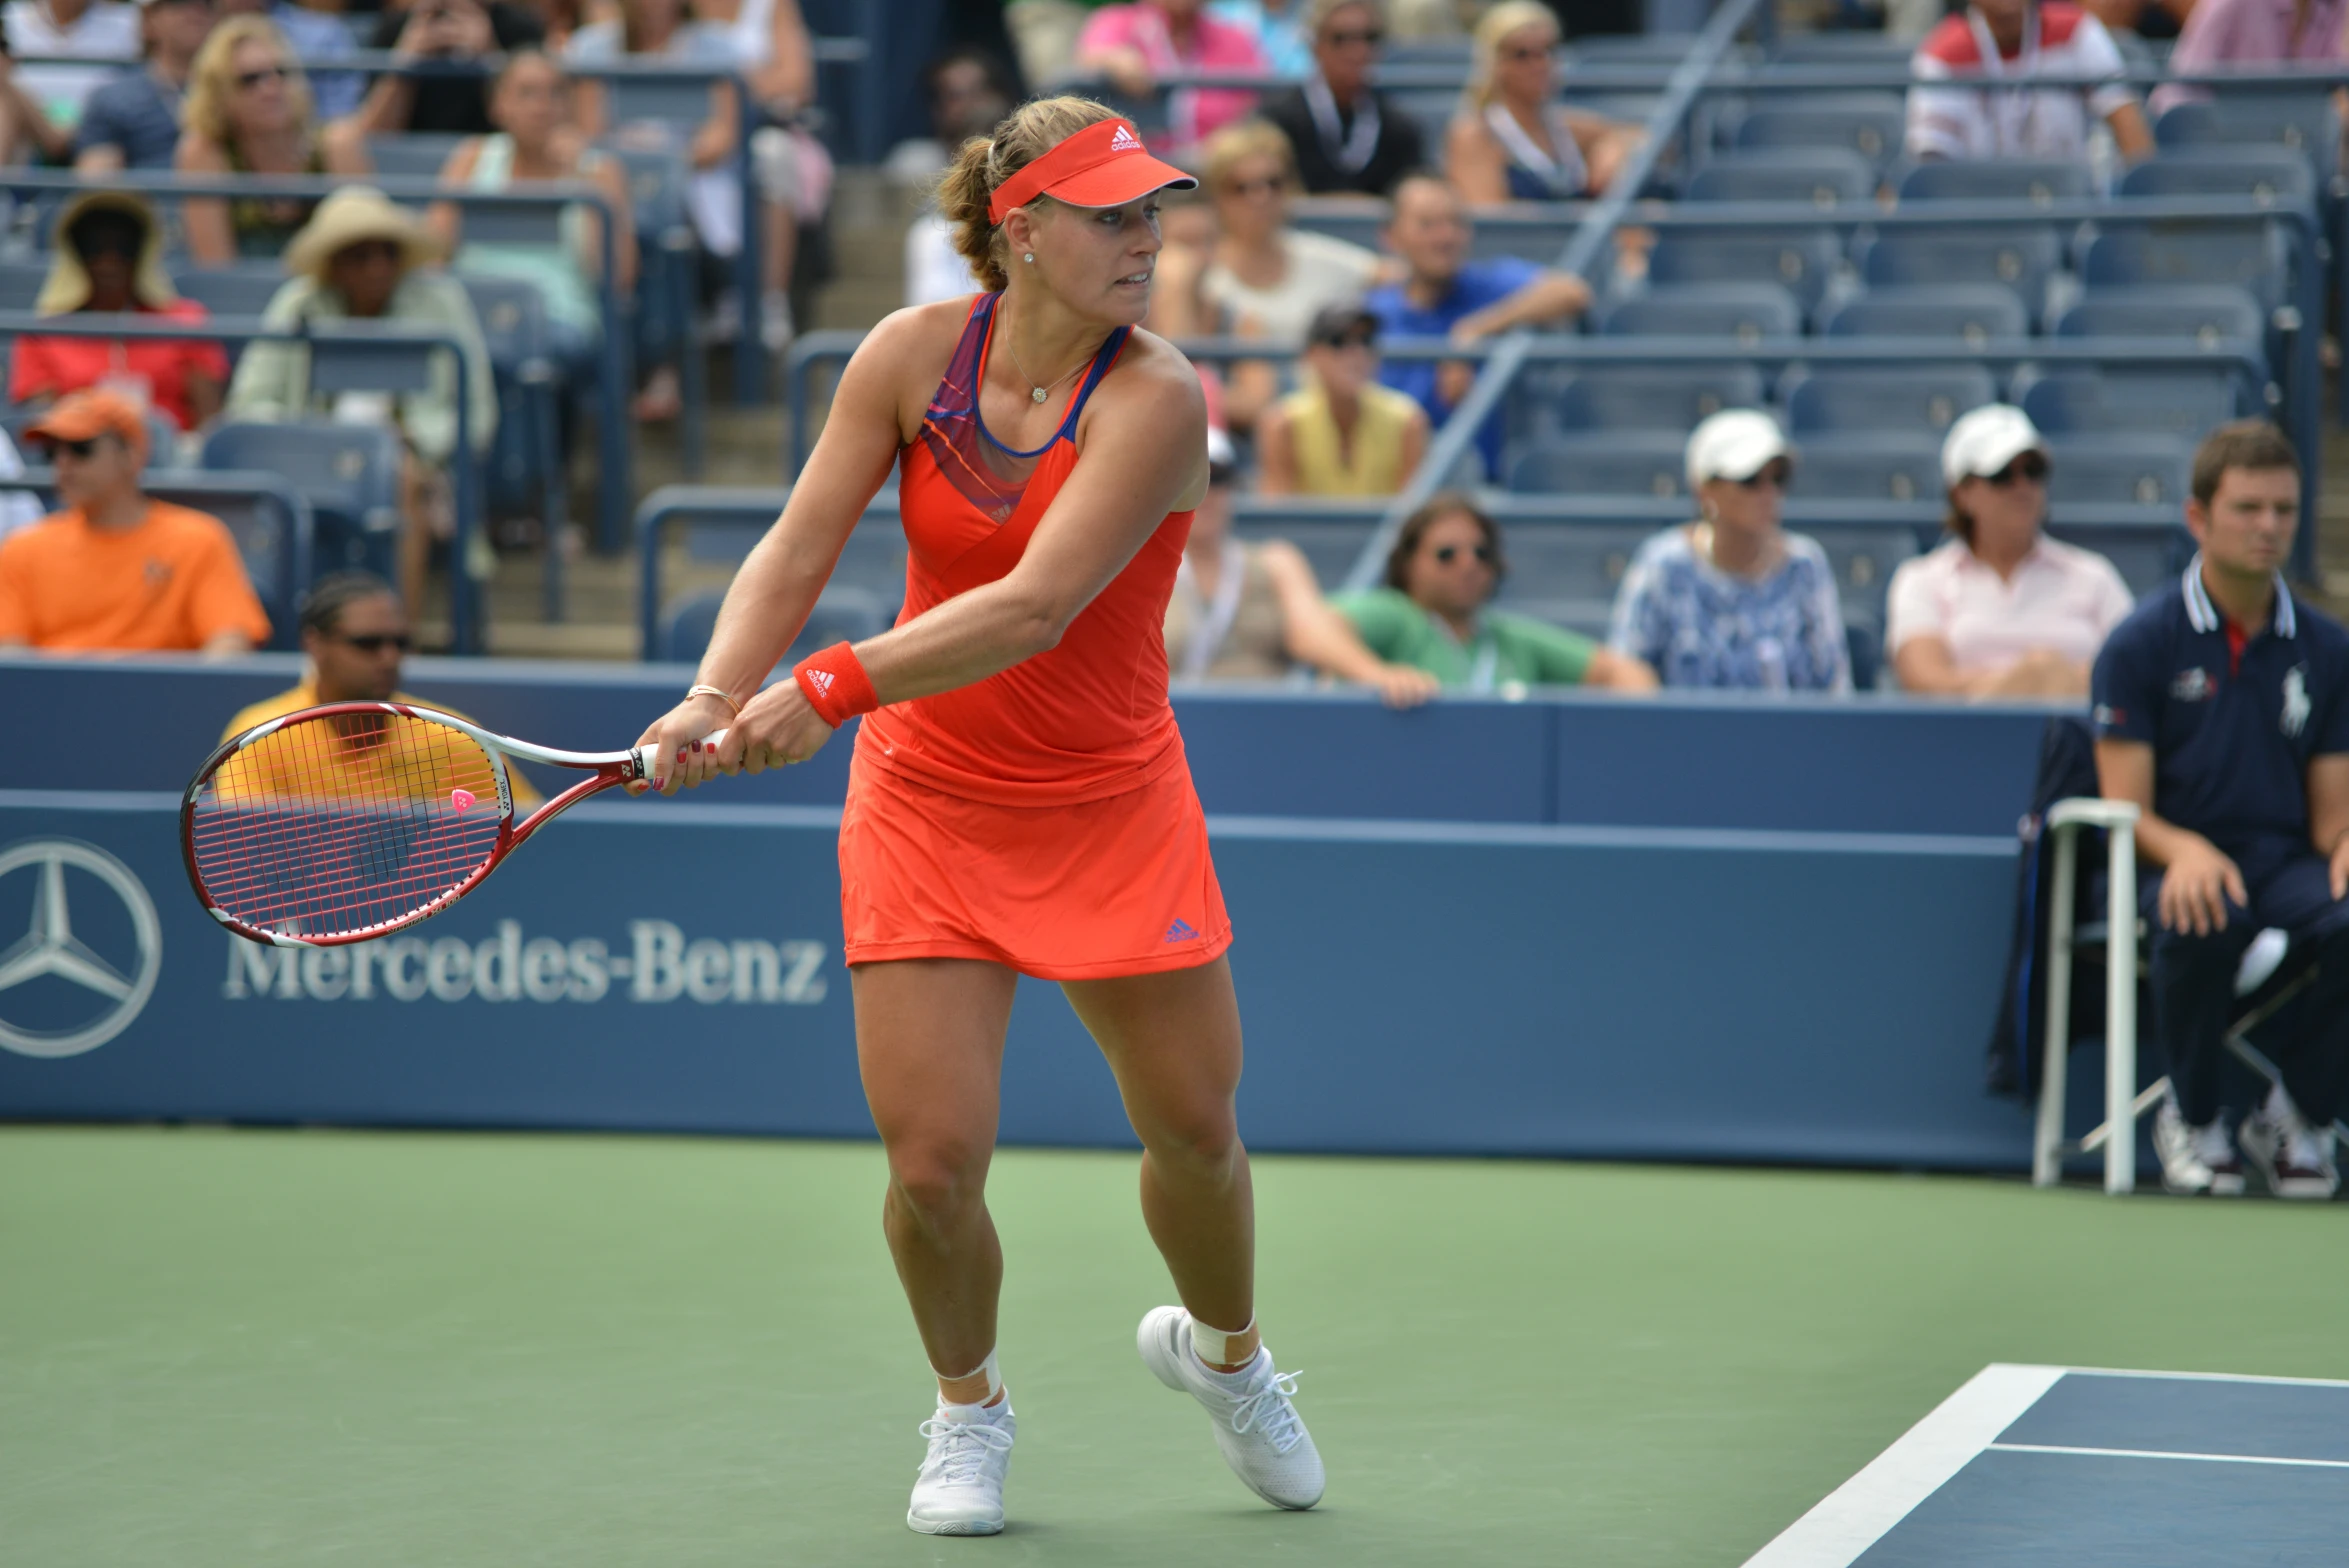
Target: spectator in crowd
87 29
1732 601
1445 294
115 571
1512 140
443 36
249 112
1187 231
1340 432
1266 278
1136 44
108 259
19 509
360 258
2223 35
1997 41
1432 614
1347 138
1254 612
355 634
1280 27
133 122
317 33
970 90
2222 714
534 144
2148 19
793 168
1999 609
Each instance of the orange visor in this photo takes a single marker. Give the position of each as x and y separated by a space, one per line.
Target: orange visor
1103 165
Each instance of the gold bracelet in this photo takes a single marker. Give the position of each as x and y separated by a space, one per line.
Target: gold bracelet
718 692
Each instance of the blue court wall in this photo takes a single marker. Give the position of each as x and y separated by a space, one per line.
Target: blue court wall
1407 987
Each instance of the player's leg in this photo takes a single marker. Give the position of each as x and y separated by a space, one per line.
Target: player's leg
2290 1138
1173 1040
929 1043
2193 998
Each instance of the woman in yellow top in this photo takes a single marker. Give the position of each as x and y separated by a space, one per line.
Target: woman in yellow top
1341 433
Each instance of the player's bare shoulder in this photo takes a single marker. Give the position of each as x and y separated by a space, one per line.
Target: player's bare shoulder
1152 380
902 358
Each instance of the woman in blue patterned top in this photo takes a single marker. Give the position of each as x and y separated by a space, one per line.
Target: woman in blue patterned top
1732 601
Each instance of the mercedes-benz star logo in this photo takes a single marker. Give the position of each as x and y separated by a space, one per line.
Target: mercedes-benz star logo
50 949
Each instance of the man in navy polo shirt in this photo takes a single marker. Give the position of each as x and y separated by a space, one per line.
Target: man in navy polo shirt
1444 294
2222 711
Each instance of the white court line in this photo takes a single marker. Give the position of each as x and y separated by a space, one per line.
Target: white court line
2208 1377
1851 1518
2156 1453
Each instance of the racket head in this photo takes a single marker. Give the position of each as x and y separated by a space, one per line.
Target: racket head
344 822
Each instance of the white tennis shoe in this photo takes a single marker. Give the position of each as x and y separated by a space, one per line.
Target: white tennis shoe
1262 1437
959 1490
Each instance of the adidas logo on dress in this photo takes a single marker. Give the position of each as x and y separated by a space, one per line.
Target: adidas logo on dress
1124 141
1180 931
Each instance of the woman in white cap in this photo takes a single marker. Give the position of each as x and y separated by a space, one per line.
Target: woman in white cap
1999 609
360 258
1732 601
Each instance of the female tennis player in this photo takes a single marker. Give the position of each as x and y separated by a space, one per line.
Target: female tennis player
1019 802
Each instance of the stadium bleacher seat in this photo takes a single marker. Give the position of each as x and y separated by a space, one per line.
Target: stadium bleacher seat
1868 123
2254 258
1803 261
416 155
1654 397
2106 466
1568 573
1870 465
1822 176
840 615
1907 398
350 475
230 291
2183 402
2207 313
2277 176
1608 462
2305 123
20 283
2020 259
2146 558
1971 313
1330 546
1748 312
1997 179
525 466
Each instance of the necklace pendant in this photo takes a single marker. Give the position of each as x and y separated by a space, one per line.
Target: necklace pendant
1037 394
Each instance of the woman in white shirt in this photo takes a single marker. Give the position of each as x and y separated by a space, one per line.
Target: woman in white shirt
2000 609
1266 278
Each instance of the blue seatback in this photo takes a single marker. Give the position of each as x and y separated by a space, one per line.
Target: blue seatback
2254 258
1870 124
657 178
1654 397
840 615
2020 259
415 155
1820 176
348 473
2119 467
1907 398
1568 573
1609 462
1869 465
513 318
2277 176
2303 122
2204 312
2185 401
1968 312
1748 312
230 291
1802 261
20 283
1997 179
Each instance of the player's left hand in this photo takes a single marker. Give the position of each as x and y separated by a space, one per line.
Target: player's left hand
777 728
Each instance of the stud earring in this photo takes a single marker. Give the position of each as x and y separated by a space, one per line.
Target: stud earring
1029 257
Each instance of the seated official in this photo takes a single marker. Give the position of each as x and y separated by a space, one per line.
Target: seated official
1253 611
116 572
2000 609
1432 614
1340 432
1445 294
355 635
2222 713
1732 601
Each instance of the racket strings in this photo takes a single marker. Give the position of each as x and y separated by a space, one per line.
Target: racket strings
343 823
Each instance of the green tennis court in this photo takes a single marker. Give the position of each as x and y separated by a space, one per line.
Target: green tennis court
259 1348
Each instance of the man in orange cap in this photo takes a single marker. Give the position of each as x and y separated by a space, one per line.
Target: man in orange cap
115 571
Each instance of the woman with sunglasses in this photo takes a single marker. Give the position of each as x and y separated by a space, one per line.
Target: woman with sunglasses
1512 141
1432 614
1999 609
1266 277
1340 432
249 112
1732 601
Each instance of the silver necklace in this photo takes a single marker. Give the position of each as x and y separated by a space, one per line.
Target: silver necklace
1036 394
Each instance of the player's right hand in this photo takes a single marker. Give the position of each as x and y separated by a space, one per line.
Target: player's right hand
681 760
2196 887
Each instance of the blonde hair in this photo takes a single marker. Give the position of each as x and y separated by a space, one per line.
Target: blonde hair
985 162
1235 144
1485 49
212 77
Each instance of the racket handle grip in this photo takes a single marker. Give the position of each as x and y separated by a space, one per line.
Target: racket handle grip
647 756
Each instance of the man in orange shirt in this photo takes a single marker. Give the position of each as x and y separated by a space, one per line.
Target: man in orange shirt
116 572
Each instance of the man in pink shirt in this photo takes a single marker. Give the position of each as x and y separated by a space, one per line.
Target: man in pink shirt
2000 610
1136 45
2248 34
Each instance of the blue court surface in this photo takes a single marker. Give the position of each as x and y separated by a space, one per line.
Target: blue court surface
2071 1467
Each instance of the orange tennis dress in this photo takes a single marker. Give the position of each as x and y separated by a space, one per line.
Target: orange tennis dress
1042 818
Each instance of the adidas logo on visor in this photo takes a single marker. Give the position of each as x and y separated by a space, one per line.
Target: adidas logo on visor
1124 141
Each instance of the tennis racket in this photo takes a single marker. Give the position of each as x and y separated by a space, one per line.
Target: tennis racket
341 823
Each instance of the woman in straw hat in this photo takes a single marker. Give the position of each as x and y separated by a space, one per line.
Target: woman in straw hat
109 260
249 112
360 258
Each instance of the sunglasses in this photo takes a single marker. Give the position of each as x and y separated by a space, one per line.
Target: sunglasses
1520 55
376 642
1348 340
85 449
2029 466
1446 554
1268 186
248 80
1776 475
1372 37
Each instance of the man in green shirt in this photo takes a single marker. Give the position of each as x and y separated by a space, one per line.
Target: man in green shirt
1431 614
